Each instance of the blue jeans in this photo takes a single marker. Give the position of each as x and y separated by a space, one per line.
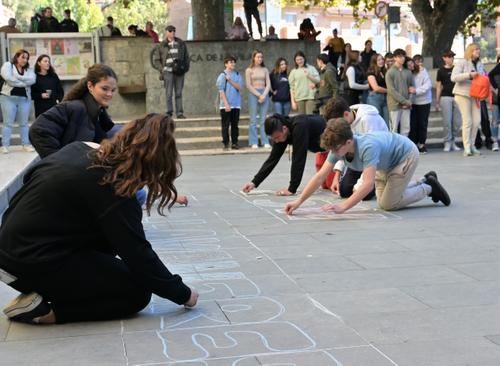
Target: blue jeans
282 108
255 108
379 101
14 107
452 119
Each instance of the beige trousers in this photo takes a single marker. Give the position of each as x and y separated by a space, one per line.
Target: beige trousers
471 119
394 189
305 106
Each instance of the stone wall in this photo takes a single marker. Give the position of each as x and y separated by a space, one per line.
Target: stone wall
129 57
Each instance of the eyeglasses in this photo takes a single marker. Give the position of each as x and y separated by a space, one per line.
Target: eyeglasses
172 30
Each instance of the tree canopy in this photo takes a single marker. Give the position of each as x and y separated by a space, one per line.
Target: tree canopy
440 20
90 16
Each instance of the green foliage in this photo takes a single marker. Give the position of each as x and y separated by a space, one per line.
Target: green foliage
485 15
138 12
89 16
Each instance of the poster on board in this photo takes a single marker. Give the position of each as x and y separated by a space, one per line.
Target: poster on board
71 56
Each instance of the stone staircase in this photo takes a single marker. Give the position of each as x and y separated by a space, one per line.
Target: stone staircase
202 135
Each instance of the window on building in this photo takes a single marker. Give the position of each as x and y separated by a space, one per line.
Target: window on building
291 18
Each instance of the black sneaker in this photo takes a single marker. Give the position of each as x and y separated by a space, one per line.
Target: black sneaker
438 192
26 308
422 149
181 116
235 146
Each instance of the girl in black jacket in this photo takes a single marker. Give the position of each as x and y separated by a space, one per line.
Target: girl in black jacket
81 116
47 91
72 240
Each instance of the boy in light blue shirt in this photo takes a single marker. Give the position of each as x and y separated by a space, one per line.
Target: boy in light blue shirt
386 159
229 84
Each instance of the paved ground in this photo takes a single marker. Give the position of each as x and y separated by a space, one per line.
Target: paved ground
417 288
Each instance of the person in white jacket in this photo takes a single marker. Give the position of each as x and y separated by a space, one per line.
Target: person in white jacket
15 98
421 104
363 118
464 71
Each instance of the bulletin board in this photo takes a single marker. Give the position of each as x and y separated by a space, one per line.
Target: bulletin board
71 53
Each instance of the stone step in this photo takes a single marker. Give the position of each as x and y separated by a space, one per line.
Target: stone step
204 133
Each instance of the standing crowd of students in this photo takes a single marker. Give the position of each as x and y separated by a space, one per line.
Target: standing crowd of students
398 86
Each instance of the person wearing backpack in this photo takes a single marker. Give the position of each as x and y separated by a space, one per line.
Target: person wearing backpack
171 59
229 84
464 72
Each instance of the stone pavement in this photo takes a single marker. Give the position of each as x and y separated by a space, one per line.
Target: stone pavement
418 287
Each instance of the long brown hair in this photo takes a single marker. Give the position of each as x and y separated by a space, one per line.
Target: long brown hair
95 73
276 69
373 68
255 53
143 153
38 69
18 53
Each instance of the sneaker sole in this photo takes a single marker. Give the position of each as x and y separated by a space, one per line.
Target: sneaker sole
22 304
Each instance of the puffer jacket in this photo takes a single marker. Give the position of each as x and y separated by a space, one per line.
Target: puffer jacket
15 80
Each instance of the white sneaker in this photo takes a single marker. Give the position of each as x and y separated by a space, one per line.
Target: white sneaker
262 39
494 147
250 39
5 150
447 146
255 146
267 146
475 151
454 147
28 148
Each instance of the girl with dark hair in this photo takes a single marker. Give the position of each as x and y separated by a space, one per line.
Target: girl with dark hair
15 98
421 104
47 91
81 116
354 79
280 87
73 243
377 96
303 79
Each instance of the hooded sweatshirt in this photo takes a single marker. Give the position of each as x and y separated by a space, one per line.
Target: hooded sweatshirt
366 119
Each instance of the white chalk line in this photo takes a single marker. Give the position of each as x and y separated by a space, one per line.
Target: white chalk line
122 332
260 208
316 303
283 353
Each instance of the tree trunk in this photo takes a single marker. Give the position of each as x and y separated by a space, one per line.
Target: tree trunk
440 23
208 20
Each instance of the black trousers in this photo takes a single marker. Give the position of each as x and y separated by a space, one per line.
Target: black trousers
352 96
230 119
419 120
347 183
485 128
88 286
335 58
248 15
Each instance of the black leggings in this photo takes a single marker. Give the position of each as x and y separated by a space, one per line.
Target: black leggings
88 286
348 182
